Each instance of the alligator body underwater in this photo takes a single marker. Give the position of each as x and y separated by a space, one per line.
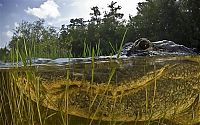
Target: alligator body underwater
132 89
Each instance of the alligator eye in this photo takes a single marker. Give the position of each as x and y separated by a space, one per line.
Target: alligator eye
144 45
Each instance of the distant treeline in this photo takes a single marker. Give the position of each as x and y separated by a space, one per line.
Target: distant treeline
176 20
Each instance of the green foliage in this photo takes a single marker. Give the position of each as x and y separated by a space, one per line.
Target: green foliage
156 19
97 32
176 20
168 19
40 40
191 11
64 43
95 15
4 54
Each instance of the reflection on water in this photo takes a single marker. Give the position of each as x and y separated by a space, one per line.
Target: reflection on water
125 91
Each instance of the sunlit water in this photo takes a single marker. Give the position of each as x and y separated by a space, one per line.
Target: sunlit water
107 90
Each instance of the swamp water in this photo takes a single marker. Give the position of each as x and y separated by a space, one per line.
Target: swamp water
105 91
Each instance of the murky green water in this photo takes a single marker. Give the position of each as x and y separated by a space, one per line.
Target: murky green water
143 90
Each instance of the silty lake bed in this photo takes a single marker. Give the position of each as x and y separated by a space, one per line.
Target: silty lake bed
102 90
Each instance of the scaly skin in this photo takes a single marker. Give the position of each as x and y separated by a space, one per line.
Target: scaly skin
138 91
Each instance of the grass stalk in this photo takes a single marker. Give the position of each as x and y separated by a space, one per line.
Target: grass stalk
104 93
121 45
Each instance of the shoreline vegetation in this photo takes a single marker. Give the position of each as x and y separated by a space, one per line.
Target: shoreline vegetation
156 20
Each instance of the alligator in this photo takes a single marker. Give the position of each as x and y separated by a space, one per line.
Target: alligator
158 80
134 89
144 47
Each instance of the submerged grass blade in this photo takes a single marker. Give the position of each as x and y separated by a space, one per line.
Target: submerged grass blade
103 95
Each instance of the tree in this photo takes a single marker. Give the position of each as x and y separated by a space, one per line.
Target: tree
158 19
113 13
191 12
4 54
112 29
95 15
77 22
34 39
64 44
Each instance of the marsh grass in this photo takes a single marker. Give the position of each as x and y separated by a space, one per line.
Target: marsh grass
18 108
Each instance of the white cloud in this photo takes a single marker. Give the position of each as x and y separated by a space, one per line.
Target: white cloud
75 3
59 21
9 34
47 9
1 4
5 38
16 24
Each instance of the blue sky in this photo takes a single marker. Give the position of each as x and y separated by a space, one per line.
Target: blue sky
55 12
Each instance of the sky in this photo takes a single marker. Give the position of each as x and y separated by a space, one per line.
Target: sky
55 12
